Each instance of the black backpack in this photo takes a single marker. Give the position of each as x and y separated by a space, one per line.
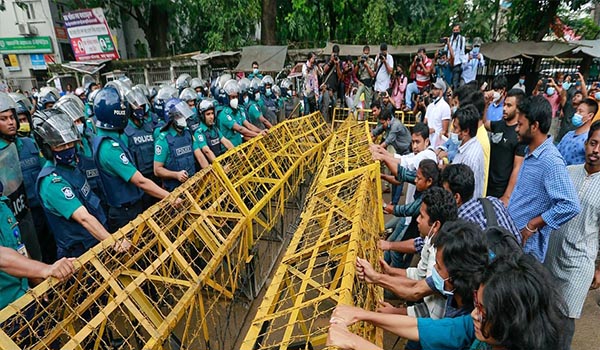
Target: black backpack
501 242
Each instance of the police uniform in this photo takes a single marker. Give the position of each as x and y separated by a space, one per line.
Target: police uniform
253 112
270 108
62 190
114 162
11 287
19 204
88 167
140 142
211 137
31 164
227 119
176 152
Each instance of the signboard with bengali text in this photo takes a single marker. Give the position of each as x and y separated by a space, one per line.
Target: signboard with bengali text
38 44
90 35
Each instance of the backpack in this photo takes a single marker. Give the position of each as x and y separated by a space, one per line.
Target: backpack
501 242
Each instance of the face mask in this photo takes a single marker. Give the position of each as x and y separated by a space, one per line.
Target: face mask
233 103
566 85
475 51
550 91
255 71
66 157
139 114
24 128
577 83
496 97
455 34
200 95
521 81
454 109
80 128
246 99
454 137
597 96
257 96
180 123
438 282
268 92
577 120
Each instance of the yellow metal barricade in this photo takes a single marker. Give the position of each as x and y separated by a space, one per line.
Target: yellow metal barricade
174 289
341 220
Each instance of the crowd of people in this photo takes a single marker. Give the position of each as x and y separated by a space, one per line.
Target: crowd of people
502 200
77 165
501 208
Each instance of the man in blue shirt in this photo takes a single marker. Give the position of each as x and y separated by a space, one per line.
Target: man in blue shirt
495 109
544 197
572 145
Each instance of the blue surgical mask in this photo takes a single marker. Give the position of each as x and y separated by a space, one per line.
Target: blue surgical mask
438 282
66 157
81 128
597 96
200 96
246 100
475 51
550 91
454 109
566 85
577 120
454 138
268 92
255 71
521 81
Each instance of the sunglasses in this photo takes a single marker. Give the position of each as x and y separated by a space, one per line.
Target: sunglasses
479 307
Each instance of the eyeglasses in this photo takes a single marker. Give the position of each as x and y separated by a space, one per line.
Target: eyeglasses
479 307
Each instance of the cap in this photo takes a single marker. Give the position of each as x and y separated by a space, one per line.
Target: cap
477 41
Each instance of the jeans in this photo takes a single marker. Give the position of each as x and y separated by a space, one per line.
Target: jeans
396 193
456 73
395 259
411 89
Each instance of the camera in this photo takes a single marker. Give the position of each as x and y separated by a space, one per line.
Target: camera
418 60
444 40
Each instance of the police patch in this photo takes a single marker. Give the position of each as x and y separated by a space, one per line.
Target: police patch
200 138
158 150
68 193
229 117
124 158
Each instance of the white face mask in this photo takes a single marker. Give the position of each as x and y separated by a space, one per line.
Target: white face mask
233 103
181 123
257 96
245 99
496 97
80 128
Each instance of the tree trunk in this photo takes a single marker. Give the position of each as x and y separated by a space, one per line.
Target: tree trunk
268 22
332 20
156 33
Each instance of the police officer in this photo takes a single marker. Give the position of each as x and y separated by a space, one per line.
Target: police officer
162 96
209 139
199 86
149 115
85 153
15 267
269 103
174 152
140 142
182 82
189 96
251 107
31 164
289 100
232 120
47 97
24 109
11 174
72 208
122 183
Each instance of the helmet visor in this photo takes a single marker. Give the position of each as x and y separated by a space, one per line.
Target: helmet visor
70 108
181 109
55 128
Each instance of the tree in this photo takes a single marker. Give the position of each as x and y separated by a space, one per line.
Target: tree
152 16
268 22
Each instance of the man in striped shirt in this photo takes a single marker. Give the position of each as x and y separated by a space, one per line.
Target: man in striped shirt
465 123
574 246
